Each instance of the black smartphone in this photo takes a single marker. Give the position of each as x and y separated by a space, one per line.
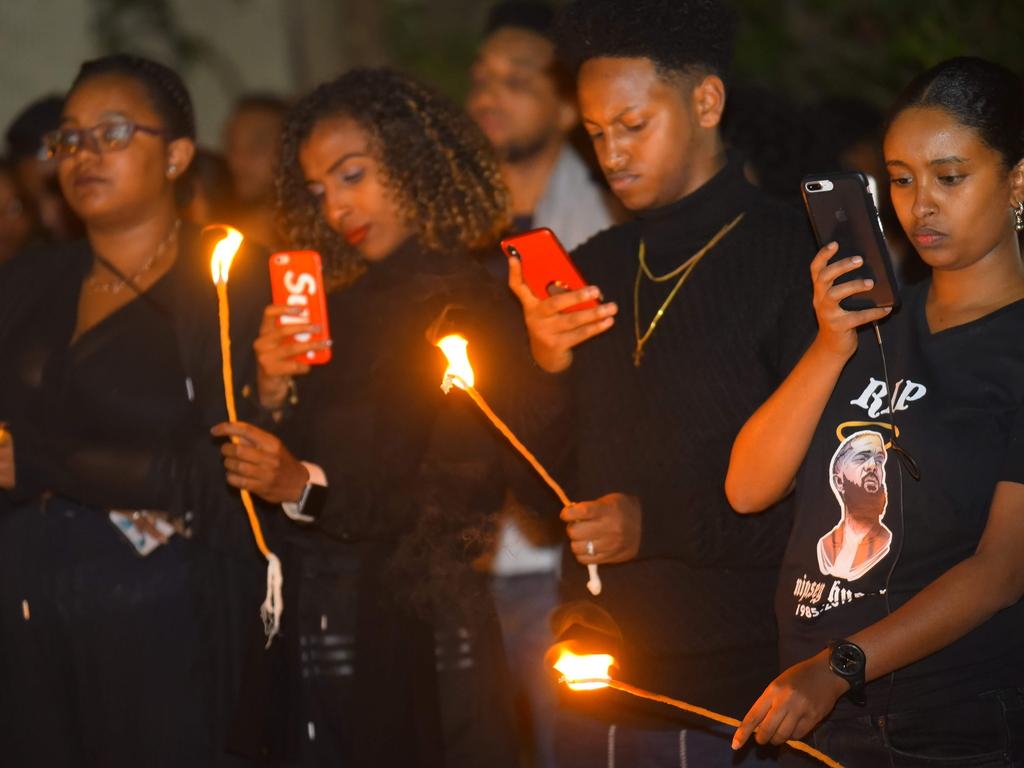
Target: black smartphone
841 209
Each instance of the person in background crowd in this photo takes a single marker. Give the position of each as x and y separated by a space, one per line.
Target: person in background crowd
395 644
773 136
212 198
704 311
36 172
114 617
524 101
908 654
18 222
252 143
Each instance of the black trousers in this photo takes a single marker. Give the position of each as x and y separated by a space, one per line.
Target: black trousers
986 731
101 648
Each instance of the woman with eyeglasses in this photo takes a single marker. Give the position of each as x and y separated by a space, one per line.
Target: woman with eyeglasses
112 499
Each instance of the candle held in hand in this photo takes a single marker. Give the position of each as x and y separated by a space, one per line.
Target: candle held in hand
220 266
460 374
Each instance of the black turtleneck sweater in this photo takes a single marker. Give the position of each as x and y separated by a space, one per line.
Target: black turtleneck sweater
695 606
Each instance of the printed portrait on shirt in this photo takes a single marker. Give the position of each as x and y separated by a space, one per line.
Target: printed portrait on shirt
857 476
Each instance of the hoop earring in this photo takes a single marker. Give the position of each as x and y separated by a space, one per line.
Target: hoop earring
1018 215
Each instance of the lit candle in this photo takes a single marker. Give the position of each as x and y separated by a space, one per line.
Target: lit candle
460 374
223 253
589 672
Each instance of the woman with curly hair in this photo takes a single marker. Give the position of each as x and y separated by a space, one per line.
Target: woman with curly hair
394 633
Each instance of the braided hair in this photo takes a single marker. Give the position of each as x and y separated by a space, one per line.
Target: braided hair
434 160
164 88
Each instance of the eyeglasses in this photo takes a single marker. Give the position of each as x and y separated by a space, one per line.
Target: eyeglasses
104 137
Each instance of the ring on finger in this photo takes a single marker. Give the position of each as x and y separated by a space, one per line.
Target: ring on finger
590 547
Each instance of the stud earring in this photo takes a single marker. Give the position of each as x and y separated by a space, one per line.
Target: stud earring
171 169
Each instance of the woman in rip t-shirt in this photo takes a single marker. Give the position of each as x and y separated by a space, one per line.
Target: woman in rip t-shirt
899 604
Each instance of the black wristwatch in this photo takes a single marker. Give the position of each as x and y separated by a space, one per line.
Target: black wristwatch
847 660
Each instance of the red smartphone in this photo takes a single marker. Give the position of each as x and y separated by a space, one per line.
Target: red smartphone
296 280
547 268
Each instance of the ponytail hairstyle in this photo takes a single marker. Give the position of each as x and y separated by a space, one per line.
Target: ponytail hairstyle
979 94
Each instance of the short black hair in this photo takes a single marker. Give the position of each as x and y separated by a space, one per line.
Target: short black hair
680 37
533 15
25 133
980 94
164 88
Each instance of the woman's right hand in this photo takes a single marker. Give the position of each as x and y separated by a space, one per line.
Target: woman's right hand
276 350
6 459
837 327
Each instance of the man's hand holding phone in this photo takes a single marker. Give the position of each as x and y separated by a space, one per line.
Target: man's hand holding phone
553 332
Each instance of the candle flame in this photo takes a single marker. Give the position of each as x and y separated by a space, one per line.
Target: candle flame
459 371
223 253
591 667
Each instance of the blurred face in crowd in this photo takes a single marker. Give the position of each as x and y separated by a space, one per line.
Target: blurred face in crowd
515 97
342 171
951 191
655 137
16 223
252 145
37 176
123 183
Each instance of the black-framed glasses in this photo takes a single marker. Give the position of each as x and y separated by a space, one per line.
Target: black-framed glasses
108 136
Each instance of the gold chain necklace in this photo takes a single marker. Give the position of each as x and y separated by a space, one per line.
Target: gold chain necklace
115 286
682 271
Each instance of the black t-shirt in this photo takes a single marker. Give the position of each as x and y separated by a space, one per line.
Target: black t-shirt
863 524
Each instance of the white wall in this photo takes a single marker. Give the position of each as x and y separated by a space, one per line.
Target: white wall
275 45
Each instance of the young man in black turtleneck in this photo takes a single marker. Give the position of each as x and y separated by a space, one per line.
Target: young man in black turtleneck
704 311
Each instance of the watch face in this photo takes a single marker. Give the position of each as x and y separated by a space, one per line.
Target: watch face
847 659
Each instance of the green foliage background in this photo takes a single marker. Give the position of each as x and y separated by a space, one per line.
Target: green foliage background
807 48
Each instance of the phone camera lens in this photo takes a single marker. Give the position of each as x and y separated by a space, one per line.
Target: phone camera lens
513 252
814 187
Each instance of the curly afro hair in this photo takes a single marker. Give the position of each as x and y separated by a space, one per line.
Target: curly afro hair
681 37
435 161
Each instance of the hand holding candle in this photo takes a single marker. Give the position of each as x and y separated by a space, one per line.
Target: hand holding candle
588 672
220 265
460 374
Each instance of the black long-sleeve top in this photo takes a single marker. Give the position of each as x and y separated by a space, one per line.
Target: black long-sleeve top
695 606
119 418
413 475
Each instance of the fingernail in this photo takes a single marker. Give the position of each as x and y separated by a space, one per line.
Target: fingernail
868 283
593 293
858 260
329 342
